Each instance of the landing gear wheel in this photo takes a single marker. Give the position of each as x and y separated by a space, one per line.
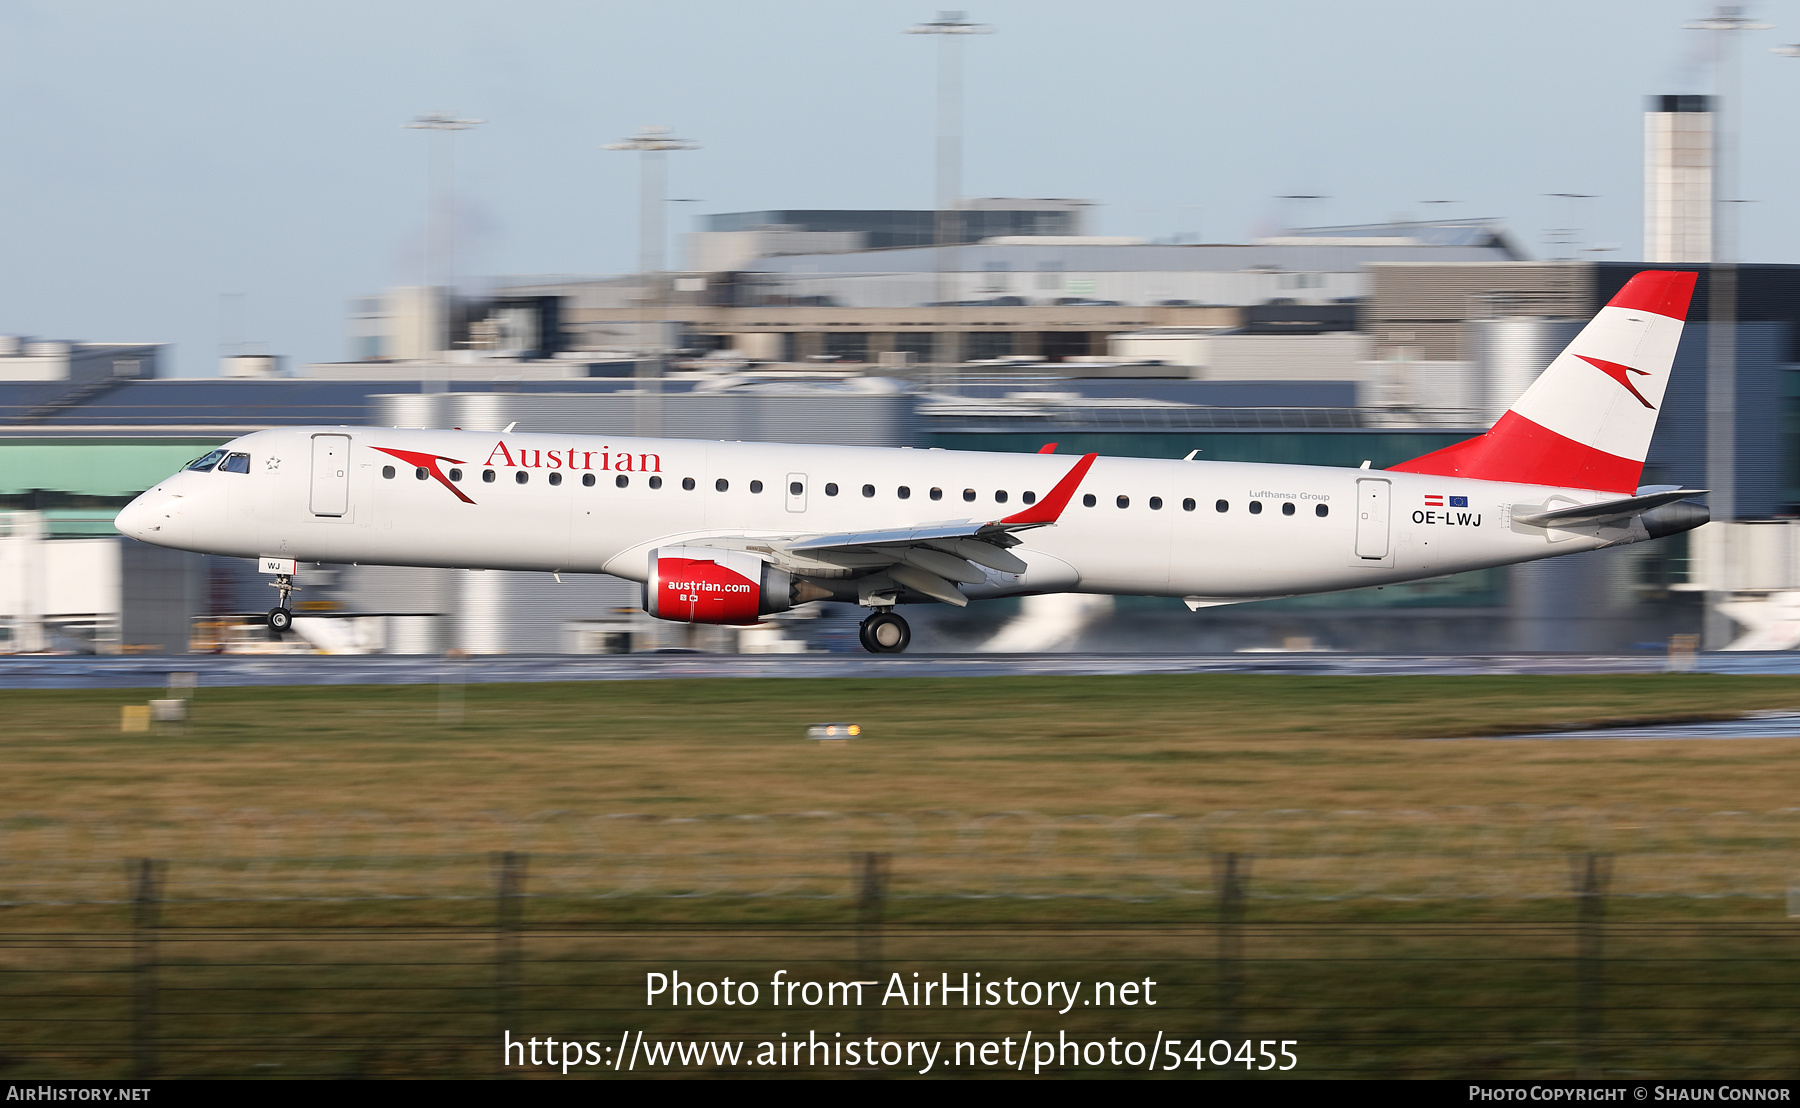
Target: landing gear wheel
885 633
281 617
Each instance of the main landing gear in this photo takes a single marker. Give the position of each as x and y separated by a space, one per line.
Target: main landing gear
884 633
281 617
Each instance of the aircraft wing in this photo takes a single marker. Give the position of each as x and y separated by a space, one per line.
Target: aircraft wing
1607 511
931 558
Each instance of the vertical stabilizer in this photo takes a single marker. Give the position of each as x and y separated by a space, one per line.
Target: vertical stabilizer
1586 422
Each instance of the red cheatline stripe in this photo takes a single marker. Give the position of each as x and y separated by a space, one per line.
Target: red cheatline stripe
1661 291
1525 453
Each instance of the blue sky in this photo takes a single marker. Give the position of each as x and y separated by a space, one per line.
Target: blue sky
154 157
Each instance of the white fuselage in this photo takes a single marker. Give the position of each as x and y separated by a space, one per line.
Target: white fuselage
1134 526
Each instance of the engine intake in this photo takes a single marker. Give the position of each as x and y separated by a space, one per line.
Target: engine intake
695 584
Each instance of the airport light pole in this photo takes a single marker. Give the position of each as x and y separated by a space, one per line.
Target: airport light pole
652 143
440 169
950 27
1721 330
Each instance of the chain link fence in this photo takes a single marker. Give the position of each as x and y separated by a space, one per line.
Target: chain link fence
1496 942
1500 853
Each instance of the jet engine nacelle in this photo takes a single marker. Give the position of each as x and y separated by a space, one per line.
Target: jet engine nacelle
696 584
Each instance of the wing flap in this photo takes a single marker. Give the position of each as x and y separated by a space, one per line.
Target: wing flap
928 583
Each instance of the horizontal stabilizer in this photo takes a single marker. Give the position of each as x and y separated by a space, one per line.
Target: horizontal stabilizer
1607 511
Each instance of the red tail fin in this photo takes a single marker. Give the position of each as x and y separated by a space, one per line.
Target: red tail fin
1586 422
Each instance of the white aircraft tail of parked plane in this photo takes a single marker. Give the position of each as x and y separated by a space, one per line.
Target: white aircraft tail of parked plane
725 532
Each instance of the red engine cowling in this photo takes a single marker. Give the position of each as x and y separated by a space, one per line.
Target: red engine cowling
691 584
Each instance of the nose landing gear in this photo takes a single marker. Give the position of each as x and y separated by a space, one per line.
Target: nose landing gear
884 633
281 617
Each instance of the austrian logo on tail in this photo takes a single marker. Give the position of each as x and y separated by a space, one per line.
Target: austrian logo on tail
1617 372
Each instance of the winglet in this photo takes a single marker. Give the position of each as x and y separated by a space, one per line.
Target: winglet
1047 448
1050 508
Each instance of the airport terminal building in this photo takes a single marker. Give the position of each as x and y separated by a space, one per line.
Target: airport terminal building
1333 346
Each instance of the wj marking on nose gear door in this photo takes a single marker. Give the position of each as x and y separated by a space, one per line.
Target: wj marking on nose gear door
330 475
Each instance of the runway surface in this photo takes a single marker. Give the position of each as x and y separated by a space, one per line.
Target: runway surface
218 671
1751 725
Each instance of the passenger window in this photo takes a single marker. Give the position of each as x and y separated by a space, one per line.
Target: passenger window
795 488
1321 511
1088 501
487 476
1221 506
556 478
868 490
236 463
1000 496
903 493
521 477
455 474
1156 503
1188 505
831 488
756 486
687 483
937 494
1287 509
968 494
721 484
387 472
621 481
1124 501
656 482
420 473
1028 496
1256 507
588 480
206 461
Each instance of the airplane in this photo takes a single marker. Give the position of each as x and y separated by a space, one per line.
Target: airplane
728 533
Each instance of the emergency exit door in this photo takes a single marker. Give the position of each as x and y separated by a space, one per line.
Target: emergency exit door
1372 519
330 475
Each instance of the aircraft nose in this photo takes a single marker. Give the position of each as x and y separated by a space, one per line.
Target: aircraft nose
132 519
147 517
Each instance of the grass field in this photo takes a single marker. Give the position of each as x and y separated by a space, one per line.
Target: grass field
1112 745
1435 983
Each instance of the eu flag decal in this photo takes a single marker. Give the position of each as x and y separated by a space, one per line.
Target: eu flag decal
1459 502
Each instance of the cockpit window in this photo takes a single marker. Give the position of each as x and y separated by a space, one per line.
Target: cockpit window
210 460
236 463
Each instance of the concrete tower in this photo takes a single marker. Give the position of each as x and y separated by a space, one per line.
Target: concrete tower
1678 179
